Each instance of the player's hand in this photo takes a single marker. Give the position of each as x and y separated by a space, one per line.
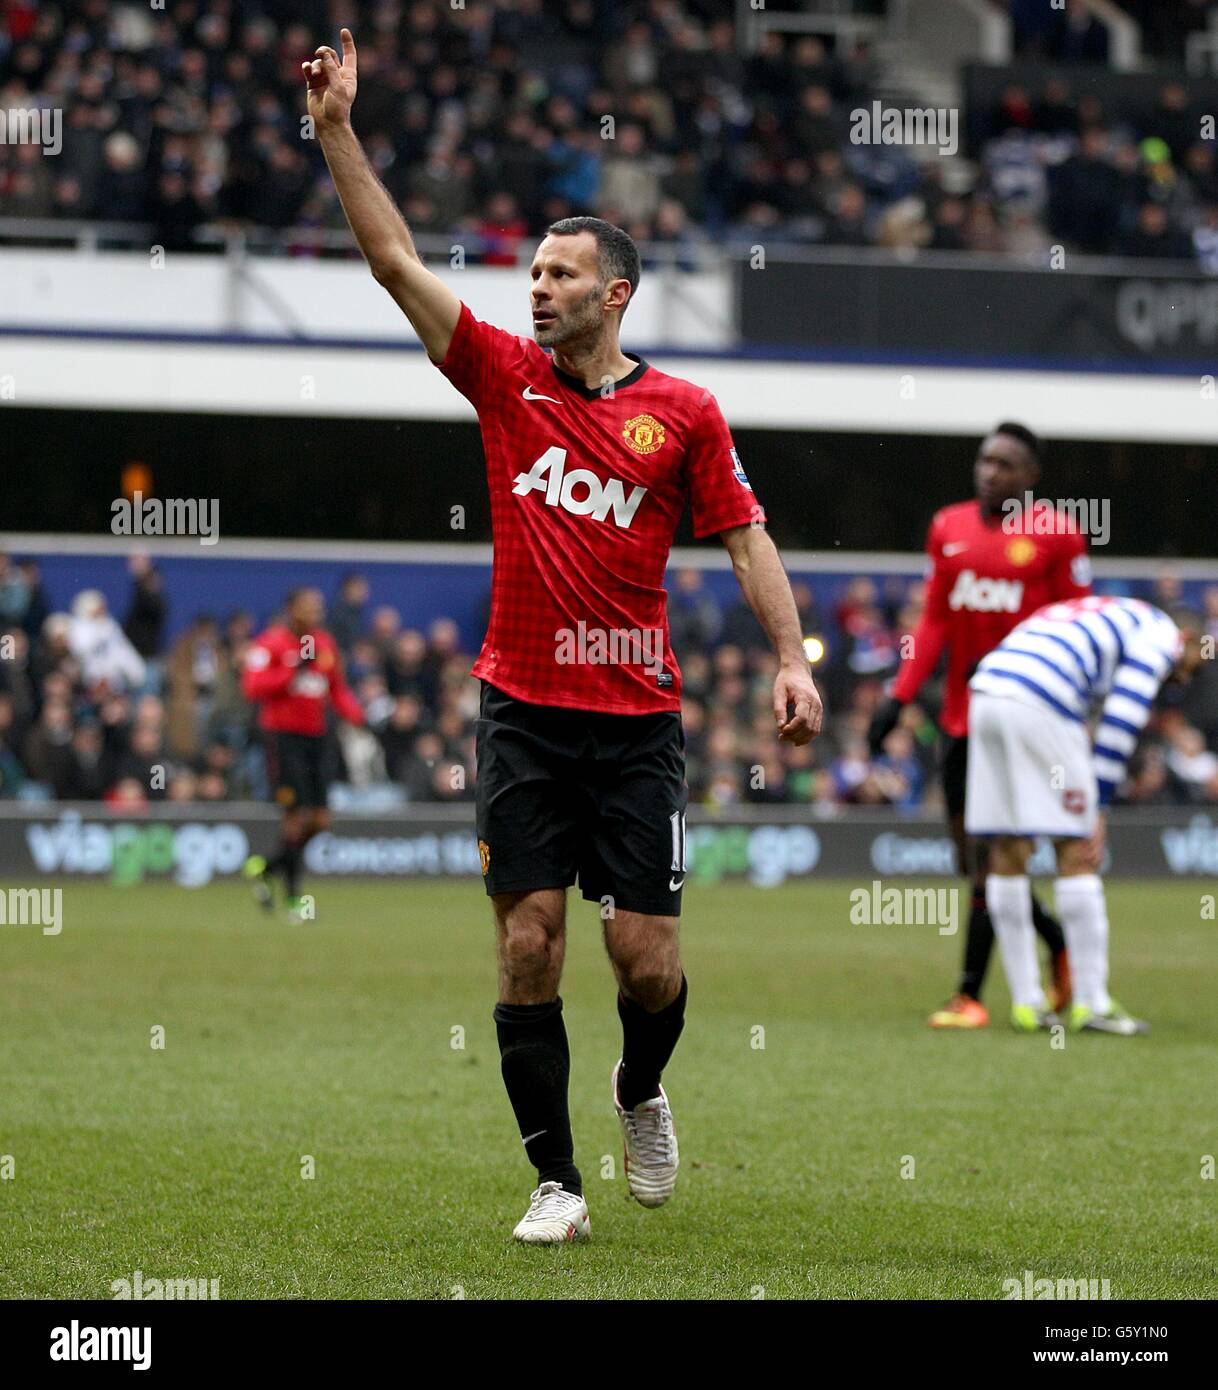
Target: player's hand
883 722
1092 850
331 83
795 690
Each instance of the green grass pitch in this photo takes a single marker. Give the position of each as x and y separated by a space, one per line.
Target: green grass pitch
335 1040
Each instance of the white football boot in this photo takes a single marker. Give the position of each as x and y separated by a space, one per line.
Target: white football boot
553 1217
651 1147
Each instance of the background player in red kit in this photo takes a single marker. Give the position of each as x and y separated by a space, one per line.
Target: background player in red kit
591 458
294 673
990 569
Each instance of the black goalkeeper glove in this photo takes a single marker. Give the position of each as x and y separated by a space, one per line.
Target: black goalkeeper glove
883 722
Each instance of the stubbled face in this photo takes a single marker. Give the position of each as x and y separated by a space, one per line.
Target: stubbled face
1003 469
567 294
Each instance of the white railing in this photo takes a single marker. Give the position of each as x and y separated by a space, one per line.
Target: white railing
1201 49
1124 35
975 30
835 19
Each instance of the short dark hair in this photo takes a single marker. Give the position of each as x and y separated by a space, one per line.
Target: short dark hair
616 253
1025 436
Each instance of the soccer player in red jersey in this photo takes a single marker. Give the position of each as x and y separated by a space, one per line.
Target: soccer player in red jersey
992 565
294 673
591 457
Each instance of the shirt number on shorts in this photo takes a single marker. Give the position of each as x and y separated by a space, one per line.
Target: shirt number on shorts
677 823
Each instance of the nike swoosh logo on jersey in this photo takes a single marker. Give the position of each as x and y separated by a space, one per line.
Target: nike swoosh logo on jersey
531 395
955 547
674 884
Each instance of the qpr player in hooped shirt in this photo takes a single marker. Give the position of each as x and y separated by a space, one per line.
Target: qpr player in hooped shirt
591 457
993 562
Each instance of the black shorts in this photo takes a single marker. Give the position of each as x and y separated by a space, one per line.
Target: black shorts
299 768
565 794
955 774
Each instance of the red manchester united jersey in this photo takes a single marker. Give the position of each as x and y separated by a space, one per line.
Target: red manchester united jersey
586 492
987 575
293 693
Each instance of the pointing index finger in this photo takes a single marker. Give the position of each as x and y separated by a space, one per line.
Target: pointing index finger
349 60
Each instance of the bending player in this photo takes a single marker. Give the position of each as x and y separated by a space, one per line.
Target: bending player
293 671
986 575
1032 771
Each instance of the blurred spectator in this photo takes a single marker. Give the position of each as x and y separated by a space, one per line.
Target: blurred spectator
346 620
1085 195
1191 764
12 772
87 775
47 754
145 620
14 594
107 659
1076 35
1154 235
193 674
694 618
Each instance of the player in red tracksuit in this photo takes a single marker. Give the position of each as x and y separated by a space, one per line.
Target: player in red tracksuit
992 565
294 673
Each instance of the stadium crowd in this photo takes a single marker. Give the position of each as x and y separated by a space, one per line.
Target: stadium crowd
1072 32
487 122
92 708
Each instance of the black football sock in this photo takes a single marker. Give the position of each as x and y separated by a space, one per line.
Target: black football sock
536 1066
287 863
1049 927
648 1041
978 945
285 859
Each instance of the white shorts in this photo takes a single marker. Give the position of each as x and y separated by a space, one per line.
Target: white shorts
1029 771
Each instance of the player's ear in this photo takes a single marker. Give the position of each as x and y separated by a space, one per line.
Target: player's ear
619 296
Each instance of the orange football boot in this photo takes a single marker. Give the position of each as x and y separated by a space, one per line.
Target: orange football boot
961 1012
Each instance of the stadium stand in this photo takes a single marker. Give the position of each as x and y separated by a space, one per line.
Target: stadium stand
91 706
488 122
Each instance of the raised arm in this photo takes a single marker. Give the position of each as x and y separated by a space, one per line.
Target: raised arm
383 236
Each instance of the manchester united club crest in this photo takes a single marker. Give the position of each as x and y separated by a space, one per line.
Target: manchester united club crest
644 434
484 856
1021 551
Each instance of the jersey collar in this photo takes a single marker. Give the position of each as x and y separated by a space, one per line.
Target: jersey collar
592 393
